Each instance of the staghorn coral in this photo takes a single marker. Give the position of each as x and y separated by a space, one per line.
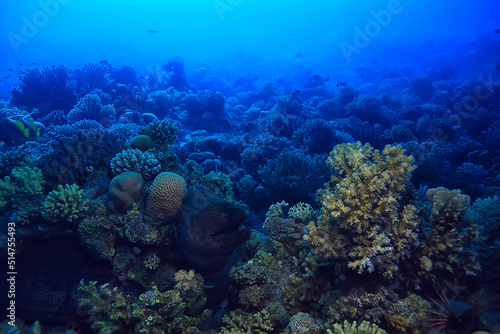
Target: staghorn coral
65 203
165 197
125 190
144 163
240 322
352 328
365 221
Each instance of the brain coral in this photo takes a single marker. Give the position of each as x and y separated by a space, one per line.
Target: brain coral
165 197
142 143
124 190
134 160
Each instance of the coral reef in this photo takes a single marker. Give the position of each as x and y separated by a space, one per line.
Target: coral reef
134 160
365 221
125 190
91 107
352 328
141 142
65 204
175 311
22 184
239 322
165 197
163 134
447 244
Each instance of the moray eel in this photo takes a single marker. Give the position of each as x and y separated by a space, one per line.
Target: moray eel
208 235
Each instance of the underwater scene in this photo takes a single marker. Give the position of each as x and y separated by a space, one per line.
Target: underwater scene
249 166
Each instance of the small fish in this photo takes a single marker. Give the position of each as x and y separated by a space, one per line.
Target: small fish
33 63
497 67
497 31
21 64
11 70
342 84
374 61
5 77
151 31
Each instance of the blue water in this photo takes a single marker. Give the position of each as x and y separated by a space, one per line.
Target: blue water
259 94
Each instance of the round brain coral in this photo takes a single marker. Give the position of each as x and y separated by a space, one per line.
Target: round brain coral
125 190
164 203
142 143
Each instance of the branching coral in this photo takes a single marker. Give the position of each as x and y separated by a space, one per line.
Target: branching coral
364 219
173 311
446 246
69 157
135 160
352 328
163 134
22 184
91 107
239 322
64 203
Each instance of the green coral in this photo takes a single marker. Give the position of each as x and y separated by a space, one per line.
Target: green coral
240 322
178 310
301 212
352 328
276 210
22 184
65 203
364 220
109 308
